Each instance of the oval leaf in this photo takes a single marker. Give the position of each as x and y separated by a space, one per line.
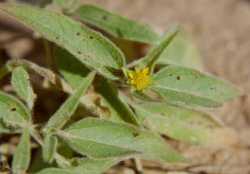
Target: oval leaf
67 109
182 52
176 122
71 69
49 148
88 166
116 25
89 47
114 108
22 154
154 54
20 82
55 171
3 128
190 87
104 139
9 104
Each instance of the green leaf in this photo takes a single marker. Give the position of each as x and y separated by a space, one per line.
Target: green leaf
176 122
182 52
14 120
88 166
92 166
154 54
117 109
3 128
20 82
116 25
67 6
55 171
105 139
186 86
89 47
38 163
9 104
49 148
71 69
67 109
22 154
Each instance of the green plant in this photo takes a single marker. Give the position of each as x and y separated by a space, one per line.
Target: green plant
130 105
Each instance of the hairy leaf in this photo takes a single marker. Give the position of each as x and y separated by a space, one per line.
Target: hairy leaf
190 87
67 6
14 120
176 122
116 25
113 107
71 69
49 148
89 47
22 154
20 82
104 139
3 128
182 52
9 104
67 109
88 166
154 54
55 171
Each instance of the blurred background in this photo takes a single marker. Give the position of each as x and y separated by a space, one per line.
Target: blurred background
220 29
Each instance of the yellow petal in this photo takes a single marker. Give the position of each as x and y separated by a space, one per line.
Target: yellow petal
145 71
132 82
131 75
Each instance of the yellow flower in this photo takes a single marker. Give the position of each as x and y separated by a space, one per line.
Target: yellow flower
139 79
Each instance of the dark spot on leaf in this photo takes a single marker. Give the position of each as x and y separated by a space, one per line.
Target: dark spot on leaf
91 37
178 78
13 109
105 17
79 52
78 34
135 134
57 37
119 32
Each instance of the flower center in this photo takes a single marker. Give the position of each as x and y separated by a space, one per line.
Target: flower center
139 79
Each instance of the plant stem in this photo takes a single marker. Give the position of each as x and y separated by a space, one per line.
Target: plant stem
48 54
4 71
36 136
138 166
61 161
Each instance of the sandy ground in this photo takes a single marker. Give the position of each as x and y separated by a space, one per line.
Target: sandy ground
221 29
